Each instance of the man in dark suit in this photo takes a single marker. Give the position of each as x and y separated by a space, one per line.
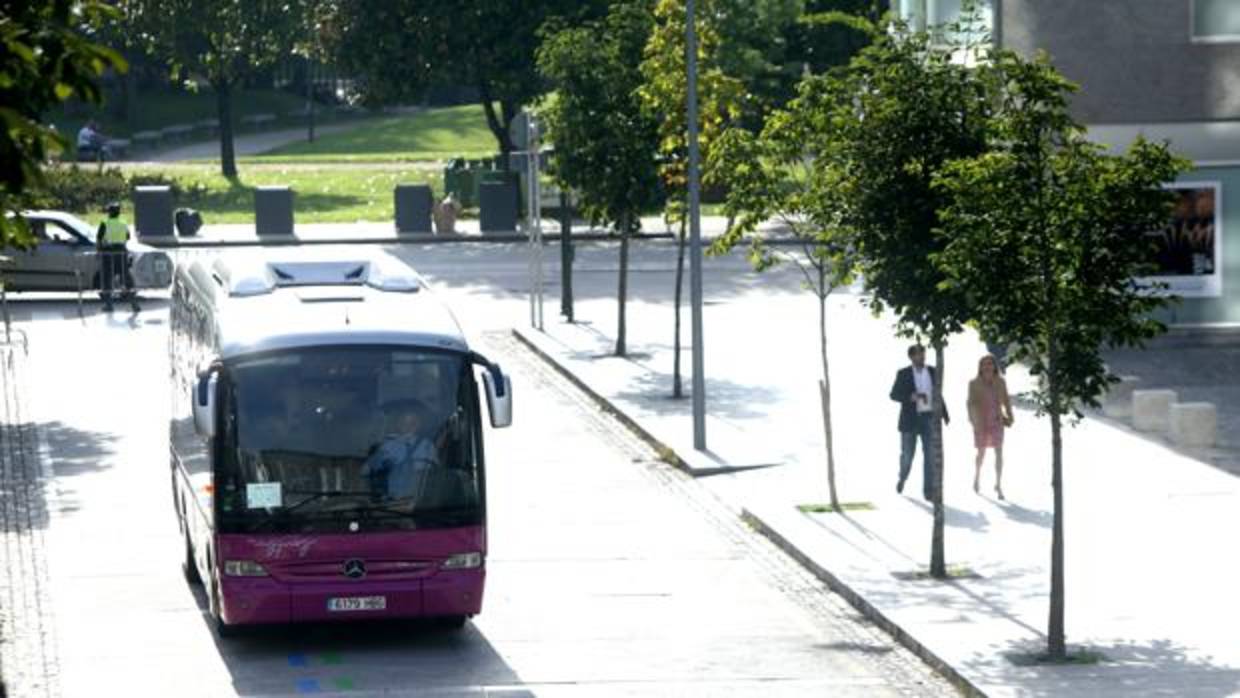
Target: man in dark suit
914 390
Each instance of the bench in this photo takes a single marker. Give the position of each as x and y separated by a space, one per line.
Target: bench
146 139
258 120
177 131
117 148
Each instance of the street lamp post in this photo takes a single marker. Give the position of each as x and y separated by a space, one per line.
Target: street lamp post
695 237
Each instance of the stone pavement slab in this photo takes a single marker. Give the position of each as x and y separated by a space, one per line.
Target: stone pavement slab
1150 577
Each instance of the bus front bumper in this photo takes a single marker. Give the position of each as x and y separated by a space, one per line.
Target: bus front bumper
264 600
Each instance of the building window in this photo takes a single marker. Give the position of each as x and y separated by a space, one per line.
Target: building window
1216 20
929 14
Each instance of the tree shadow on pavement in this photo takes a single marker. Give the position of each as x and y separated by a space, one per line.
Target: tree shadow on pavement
728 399
24 493
1126 668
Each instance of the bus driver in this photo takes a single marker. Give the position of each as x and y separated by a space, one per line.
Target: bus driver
400 463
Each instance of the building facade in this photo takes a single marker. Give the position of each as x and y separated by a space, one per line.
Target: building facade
1165 69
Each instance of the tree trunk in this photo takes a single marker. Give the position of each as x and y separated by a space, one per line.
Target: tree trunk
309 102
677 384
223 102
824 389
497 122
566 257
938 564
622 292
130 84
1056 644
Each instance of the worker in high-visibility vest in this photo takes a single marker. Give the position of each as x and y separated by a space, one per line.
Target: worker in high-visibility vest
114 257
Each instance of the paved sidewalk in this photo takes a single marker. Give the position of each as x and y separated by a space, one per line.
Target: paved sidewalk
27 637
1151 578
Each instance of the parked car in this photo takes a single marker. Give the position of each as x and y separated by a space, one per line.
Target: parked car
65 244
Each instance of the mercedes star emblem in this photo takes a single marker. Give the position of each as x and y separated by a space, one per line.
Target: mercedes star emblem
354 569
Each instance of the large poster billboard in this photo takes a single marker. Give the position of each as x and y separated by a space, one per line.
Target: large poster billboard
1188 251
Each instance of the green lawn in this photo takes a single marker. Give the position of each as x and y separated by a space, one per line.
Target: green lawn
156 110
434 134
321 194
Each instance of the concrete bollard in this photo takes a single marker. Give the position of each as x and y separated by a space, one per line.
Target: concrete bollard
1194 424
1151 409
1117 402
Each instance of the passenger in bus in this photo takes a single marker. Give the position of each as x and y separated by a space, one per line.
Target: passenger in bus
398 466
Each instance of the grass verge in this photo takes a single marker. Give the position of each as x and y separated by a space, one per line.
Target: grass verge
1080 657
828 509
953 572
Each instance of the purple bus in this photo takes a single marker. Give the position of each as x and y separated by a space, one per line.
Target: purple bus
326 443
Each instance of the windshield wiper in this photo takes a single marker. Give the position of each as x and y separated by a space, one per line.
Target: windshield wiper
326 494
281 513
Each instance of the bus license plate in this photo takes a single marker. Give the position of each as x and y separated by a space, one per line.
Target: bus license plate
357 603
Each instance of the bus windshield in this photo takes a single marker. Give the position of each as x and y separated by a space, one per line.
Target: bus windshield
337 439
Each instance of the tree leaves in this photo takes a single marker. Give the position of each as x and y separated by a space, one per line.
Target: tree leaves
45 58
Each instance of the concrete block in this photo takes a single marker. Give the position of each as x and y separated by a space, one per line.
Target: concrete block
413 208
1117 403
1193 424
1151 409
152 212
273 210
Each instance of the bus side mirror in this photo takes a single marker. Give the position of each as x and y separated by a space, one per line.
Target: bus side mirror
204 404
499 396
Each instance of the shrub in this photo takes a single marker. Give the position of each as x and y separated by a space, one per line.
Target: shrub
72 188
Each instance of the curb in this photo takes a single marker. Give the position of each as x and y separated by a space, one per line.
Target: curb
868 610
175 242
666 453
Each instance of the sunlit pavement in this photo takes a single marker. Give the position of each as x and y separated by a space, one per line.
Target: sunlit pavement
609 574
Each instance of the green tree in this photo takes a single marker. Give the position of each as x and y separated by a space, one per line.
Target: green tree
1047 235
45 59
664 96
830 32
399 49
915 107
605 143
791 173
225 41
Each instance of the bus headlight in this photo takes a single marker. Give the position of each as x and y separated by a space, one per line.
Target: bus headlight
463 561
243 568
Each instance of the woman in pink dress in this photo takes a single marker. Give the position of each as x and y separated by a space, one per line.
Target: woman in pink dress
990 411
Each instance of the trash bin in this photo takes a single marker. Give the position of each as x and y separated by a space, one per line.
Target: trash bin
413 208
498 205
152 211
273 210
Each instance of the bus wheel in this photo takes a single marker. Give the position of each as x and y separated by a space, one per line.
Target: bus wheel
452 622
188 567
223 629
